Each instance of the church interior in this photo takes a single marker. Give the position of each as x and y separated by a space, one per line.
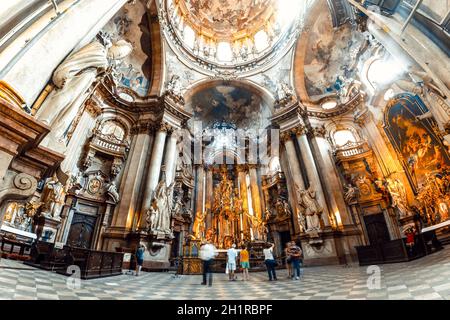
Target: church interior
169 124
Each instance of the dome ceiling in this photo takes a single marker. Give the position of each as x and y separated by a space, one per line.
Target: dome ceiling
228 19
231 37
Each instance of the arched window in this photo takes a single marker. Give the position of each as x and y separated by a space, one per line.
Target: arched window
343 137
112 129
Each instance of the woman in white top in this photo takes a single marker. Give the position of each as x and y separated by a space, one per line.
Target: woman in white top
270 261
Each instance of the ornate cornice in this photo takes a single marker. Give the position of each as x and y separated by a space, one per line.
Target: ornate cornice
351 105
10 95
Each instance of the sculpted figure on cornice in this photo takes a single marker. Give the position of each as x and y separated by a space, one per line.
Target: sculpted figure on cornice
72 80
112 192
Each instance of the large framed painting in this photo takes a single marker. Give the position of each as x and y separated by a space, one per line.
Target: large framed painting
415 139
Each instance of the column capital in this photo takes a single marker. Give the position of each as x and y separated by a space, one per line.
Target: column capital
299 130
285 136
241 168
93 108
319 131
142 127
165 127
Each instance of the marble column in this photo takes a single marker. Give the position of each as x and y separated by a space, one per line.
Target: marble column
170 159
130 187
242 177
329 176
209 196
386 157
199 184
293 160
254 189
78 139
154 170
388 164
312 173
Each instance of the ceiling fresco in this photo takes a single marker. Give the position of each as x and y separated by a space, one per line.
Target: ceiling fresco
229 104
131 24
225 18
325 66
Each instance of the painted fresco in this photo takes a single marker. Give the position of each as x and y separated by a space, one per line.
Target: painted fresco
420 150
234 105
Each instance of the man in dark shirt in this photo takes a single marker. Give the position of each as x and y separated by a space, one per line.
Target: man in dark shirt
296 256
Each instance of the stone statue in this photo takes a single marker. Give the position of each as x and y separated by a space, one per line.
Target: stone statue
179 204
199 225
284 91
53 195
310 208
397 192
151 216
113 193
163 203
174 85
350 194
74 181
72 80
283 208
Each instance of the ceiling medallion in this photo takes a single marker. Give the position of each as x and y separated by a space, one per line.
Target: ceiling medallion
230 38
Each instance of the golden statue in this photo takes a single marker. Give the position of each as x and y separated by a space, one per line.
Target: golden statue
199 225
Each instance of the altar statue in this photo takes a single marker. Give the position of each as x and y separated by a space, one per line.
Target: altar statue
398 195
310 208
199 225
258 226
54 197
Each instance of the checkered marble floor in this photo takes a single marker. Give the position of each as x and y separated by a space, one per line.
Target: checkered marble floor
427 278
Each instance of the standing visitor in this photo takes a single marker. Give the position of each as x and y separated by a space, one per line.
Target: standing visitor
139 258
231 264
207 253
244 257
296 254
288 260
270 262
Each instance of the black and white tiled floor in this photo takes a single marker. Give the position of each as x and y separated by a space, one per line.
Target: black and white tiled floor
427 278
